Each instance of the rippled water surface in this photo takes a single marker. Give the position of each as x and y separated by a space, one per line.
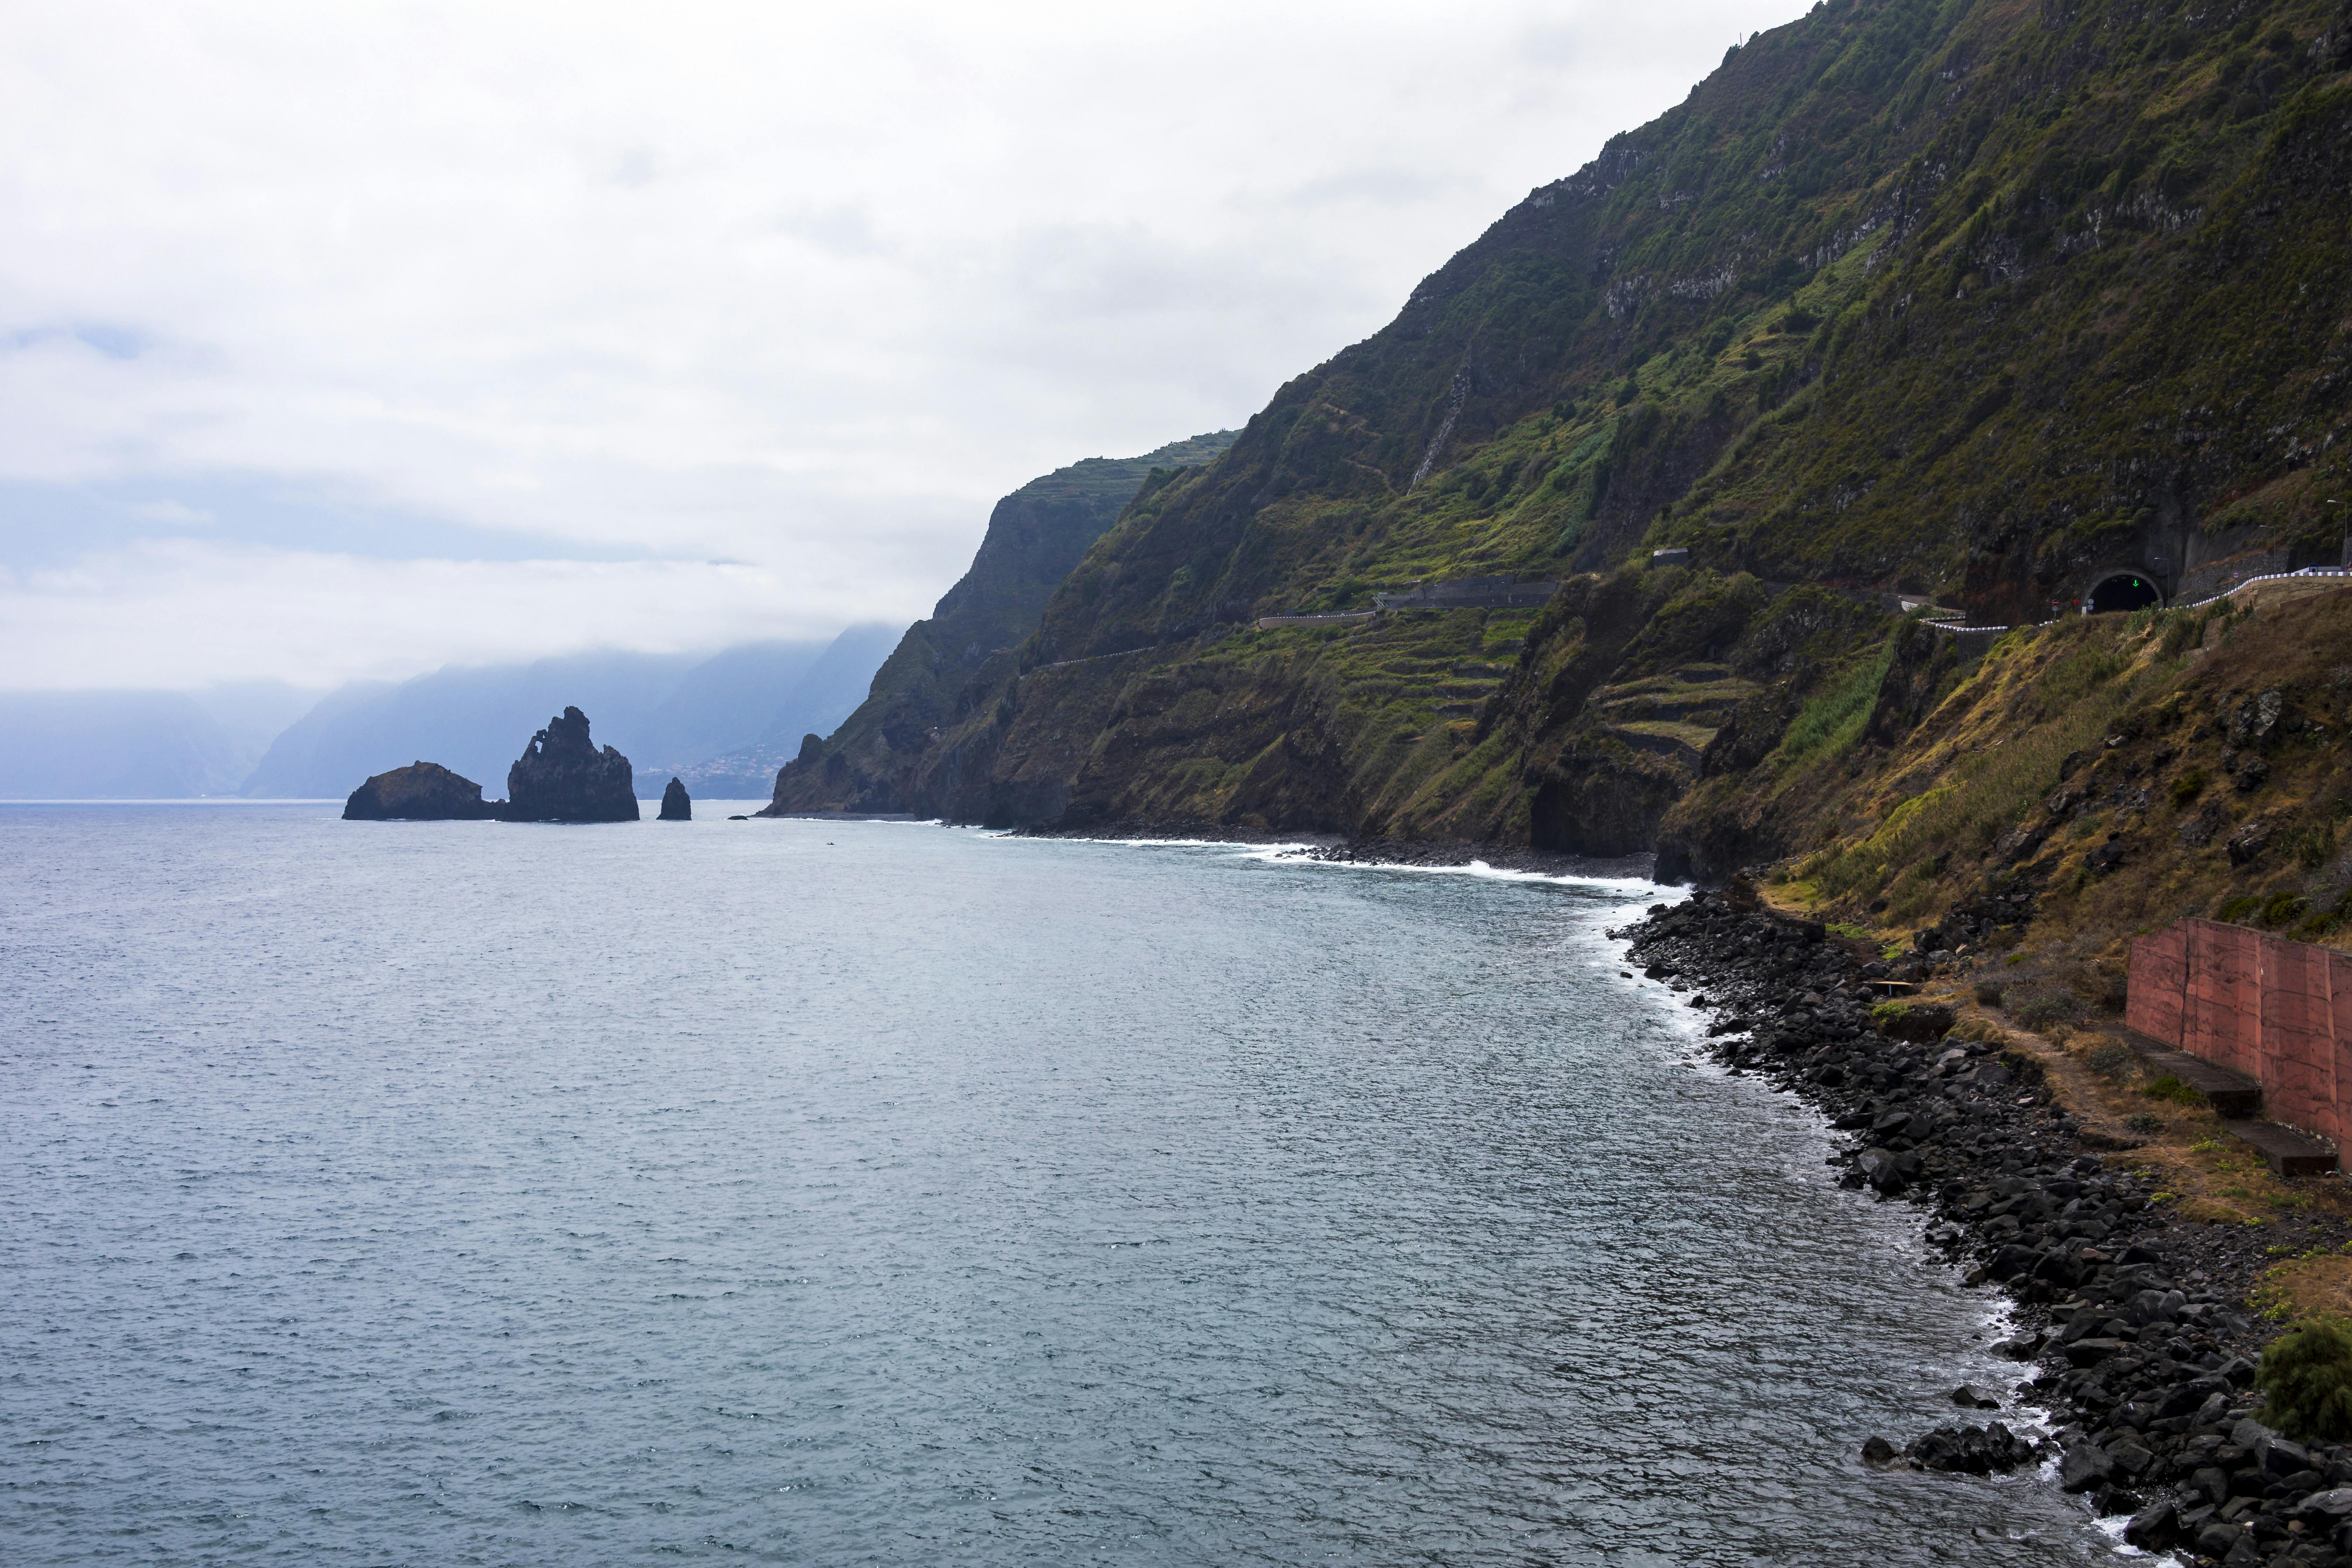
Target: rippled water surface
874 1192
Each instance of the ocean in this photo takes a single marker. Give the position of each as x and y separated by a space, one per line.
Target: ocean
885 1193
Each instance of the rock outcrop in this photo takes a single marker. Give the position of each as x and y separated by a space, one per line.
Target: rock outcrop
562 777
676 804
421 791
890 755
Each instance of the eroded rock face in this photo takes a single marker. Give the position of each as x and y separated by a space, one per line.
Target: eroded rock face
421 791
676 804
562 777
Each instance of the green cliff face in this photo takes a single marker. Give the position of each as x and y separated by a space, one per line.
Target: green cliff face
1975 302
875 761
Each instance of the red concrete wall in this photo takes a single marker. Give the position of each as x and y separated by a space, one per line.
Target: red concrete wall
2159 979
2278 1011
2298 1040
2339 997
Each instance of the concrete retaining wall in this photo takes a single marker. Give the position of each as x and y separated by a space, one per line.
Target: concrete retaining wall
2278 1011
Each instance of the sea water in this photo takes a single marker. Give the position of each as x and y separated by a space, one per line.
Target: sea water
880 1193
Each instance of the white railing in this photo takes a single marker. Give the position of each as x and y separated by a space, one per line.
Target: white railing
2193 605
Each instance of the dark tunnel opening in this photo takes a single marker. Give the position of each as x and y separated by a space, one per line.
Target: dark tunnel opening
2125 591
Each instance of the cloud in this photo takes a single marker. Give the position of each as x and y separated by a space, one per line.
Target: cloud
170 512
772 284
322 619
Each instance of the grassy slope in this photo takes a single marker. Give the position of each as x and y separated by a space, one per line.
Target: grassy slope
1969 299
2094 773
1952 298
2082 784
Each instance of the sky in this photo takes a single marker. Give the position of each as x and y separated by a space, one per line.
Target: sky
347 341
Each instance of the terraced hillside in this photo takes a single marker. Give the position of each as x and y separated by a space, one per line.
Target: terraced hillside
1985 303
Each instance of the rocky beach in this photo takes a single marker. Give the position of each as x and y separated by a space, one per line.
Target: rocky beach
2136 1331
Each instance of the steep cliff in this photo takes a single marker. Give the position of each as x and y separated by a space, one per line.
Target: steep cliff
961 655
1996 304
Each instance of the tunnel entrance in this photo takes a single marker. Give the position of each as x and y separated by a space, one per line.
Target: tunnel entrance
2124 591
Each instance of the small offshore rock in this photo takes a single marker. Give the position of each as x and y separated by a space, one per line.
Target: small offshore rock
676 804
421 791
1878 1451
1972 1450
1972 1397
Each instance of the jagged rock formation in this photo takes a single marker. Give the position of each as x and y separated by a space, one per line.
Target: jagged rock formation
421 791
676 804
562 777
882 756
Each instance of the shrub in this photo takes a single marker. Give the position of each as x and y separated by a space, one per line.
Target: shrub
2233 911
2326 920
2187 785
1834 722
2306 1380
2169 1087
2284 908
2113 1062
2143 1122
2312 847
1989 993
2043 1008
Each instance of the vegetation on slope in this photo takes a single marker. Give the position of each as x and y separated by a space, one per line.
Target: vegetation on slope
2088 780
1966 300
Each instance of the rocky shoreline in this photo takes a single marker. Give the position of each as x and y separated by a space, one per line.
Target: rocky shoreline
2135 1325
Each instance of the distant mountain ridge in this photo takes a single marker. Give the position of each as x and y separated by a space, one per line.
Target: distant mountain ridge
138 746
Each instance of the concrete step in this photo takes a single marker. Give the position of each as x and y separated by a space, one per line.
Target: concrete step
2236 1099
2234 1096
2289 1153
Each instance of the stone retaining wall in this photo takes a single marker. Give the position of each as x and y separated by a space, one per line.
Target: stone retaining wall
2278 1011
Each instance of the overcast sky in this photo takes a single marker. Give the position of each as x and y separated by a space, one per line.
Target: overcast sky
346 341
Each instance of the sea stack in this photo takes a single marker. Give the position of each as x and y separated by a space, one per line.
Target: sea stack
562 777
421 791
676 804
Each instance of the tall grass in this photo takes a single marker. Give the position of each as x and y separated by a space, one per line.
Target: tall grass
1831 723
1990 790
